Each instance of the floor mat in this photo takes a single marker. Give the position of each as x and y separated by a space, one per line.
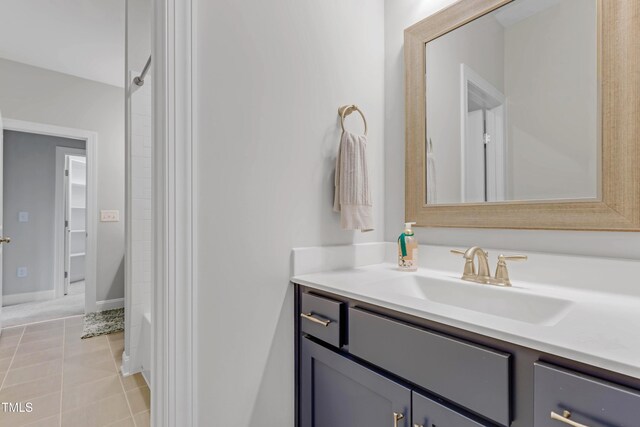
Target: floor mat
103 323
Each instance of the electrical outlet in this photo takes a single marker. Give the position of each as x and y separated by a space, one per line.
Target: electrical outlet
22 272
109 216
23 216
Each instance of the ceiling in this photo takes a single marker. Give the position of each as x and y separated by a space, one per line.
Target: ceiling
84 38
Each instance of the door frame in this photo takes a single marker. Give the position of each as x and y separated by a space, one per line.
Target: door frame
174 364
59 252
91 153
469 75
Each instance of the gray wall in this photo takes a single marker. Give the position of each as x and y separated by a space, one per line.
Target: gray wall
479 45
29 185
42 96
270 77
552 103
398 16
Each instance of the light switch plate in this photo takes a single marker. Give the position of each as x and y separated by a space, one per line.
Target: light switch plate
22 272
23 216
109 216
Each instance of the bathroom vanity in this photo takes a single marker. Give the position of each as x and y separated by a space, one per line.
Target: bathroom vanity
379 347
360 364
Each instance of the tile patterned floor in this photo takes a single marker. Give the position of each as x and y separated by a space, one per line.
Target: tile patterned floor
68 381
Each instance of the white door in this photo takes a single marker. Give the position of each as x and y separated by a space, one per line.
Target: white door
495 154
75 219
67 228
474 161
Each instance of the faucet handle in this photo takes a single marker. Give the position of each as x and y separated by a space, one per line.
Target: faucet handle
469 266
512 257
502 273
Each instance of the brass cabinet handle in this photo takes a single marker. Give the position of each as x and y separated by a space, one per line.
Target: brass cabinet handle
310 317
397 417
5 239
565 419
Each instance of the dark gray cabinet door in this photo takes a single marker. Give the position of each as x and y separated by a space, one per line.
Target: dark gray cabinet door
429 413
586 400
338 392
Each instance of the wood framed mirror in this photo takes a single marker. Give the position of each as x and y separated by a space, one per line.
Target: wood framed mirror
590 177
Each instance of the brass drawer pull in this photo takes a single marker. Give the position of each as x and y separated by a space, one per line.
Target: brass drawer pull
397 417
309 316
565 419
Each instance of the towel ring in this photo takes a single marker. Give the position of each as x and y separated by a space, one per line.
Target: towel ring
345 110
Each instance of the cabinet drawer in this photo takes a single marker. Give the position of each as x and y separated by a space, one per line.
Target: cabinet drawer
429 413
591 402
322 318
472 376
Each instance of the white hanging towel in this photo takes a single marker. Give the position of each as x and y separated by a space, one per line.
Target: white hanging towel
431 175
353 196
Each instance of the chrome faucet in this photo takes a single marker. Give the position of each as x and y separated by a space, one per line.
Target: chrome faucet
484 275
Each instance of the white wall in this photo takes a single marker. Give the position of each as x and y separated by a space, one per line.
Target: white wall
74 37
138 36
480 45
398 16
551 84
43 96
270 77
138 275
139 197
30 186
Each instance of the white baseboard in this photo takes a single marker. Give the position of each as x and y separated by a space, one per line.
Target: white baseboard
28 297
147 377
125 368
109 304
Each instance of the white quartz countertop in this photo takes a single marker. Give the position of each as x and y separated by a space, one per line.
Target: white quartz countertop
591 326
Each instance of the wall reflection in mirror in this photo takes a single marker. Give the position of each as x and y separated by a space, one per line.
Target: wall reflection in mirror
513 106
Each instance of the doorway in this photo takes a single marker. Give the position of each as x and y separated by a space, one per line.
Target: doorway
482 112
51 235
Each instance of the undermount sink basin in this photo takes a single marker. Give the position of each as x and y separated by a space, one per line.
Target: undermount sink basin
493 300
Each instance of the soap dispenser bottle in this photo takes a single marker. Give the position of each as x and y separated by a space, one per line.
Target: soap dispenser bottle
407 249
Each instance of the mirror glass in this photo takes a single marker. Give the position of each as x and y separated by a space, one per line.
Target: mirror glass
513 106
